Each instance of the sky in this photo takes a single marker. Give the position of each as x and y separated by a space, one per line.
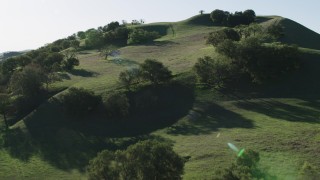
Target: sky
30 24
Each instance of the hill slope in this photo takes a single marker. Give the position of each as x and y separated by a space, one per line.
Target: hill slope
296 33
280 120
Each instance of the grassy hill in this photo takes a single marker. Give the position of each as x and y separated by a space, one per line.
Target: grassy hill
280 120
6 55
296 33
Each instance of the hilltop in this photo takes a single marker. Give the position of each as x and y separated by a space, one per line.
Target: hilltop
9 54
295 33
279 119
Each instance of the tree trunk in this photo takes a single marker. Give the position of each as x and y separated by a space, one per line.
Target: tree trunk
5 120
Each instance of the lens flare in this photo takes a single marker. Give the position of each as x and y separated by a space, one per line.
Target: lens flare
233 147
241 152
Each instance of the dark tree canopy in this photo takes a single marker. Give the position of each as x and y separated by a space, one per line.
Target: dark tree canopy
250 15
155 71
226 18
69 63
118 36
81 35
116 105
138 36
143 160
219 36
219 16
94 38
27 82
112 26
214 72
80 102
51 59
259 61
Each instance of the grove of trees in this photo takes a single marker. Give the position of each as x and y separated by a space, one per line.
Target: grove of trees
247 50
226 18
115 33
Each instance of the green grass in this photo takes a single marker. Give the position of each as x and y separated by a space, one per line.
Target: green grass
280 119
296 33
283 131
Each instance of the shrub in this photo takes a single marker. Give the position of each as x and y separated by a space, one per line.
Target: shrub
245 167
130 76
276 30
217 37
80 102
70 63
308 172
143 160
104 166
252 30
227 48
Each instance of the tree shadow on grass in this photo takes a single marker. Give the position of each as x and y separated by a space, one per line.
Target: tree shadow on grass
63 76
162 43
83 73
18 144
151 108
280 110
69 145
208 120
311 103
56 143
158 43
123 62
84 52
